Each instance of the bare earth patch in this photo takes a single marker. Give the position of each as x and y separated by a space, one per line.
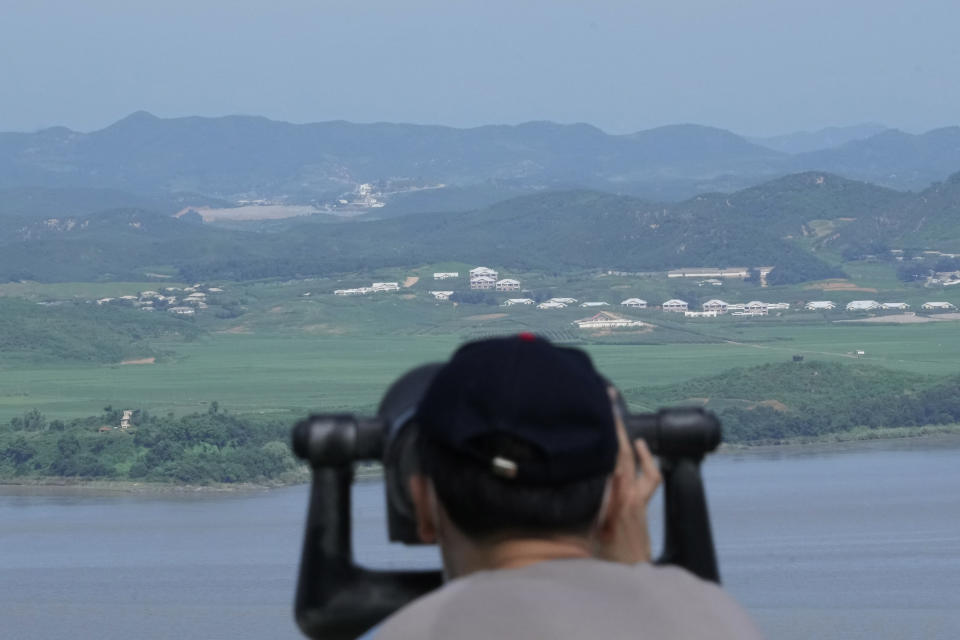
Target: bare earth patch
237 329
410 281
487 316
251 212
407 296
839 285
140 361
776 405
325 329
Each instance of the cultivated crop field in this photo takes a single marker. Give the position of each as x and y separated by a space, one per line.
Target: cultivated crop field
293 372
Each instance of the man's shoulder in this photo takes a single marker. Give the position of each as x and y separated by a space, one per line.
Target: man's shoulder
572 598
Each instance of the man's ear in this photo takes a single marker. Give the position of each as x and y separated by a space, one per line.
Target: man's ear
421 494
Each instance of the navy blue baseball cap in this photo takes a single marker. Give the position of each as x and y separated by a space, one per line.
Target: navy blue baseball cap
548 397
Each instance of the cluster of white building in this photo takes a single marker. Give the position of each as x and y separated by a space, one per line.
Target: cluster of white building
485 279
375 287
184 301
873 305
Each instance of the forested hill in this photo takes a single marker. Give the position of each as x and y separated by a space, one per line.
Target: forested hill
809 399
552 231
245 157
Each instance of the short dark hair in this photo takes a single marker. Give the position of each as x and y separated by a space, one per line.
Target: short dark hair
485 506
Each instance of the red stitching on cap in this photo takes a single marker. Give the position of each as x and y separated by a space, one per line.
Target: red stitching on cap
526 336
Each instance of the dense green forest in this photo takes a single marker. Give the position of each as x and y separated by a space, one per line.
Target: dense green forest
201 448
807 399
83 332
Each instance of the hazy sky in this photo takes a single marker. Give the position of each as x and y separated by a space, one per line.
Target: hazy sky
755 66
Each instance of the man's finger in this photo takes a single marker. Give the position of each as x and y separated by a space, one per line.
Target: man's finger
648 466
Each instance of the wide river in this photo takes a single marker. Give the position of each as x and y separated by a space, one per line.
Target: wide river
850 541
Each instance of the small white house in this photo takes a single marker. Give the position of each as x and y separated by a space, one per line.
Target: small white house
182 311
508 284
937 306
594 304
820 305
894 306
700 314
446 275
756 307
717 306
863 305
385 286
551 305
563 300
674 306
441 295
483 283
482 271
510 302
634 303
778 306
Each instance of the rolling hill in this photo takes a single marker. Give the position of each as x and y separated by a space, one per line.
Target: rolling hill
246 157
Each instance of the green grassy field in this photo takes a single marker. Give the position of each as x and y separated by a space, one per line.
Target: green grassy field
296 348
296 372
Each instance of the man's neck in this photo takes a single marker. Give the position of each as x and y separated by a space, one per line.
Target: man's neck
514 554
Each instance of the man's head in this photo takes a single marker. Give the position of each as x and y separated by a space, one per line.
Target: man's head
517 440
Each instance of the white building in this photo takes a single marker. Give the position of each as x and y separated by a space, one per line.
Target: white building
756 307
551 305
778 306
700 314
515 301
508 284
606 320
717 306
446 275
634 303
385 286
709 272
482 271
594 304
483 282
359 291
863 305
820 305
441 295
895 306
182 311
482 278
937 306
563 300
674 306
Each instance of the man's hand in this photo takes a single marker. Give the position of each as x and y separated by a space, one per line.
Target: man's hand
624 534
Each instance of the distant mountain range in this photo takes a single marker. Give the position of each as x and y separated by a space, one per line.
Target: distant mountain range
828 138
241 157
785 223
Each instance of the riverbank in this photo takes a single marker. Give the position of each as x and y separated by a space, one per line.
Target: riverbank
859 434
929 434
60 486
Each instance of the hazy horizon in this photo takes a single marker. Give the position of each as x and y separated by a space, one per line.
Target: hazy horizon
756 67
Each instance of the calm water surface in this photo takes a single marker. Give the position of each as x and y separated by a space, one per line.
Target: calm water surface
857 542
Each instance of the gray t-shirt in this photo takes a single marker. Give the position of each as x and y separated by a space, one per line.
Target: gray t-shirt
582 598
